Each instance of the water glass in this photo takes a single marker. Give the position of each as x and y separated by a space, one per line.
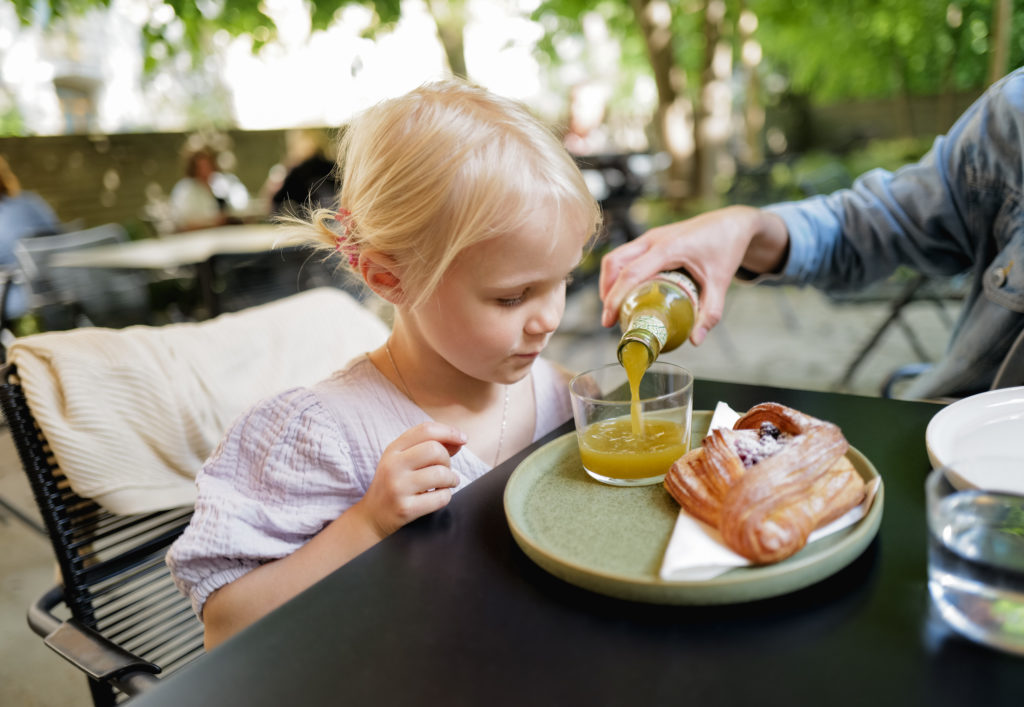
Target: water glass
976 553
612 448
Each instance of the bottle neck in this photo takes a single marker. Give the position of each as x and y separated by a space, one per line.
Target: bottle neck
645 337
667 305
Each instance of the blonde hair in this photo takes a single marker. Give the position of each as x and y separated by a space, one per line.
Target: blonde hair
448 165
9 184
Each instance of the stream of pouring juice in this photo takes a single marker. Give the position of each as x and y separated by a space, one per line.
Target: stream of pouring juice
641 447
635 361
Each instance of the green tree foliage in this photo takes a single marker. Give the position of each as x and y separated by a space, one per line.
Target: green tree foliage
833 50
563 18
33 11
881 48
194 23
822 51
829 51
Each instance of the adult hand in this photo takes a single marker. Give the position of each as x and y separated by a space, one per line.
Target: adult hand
710 247
414 476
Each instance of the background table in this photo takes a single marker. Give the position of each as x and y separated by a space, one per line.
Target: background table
179 249
449 611
193 249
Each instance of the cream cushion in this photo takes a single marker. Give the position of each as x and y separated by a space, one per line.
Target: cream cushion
132 414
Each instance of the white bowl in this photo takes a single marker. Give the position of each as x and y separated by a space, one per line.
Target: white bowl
988 425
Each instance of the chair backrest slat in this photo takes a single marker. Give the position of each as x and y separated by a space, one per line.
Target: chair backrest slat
112 567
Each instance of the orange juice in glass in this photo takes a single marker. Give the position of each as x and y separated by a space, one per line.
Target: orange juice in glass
626 441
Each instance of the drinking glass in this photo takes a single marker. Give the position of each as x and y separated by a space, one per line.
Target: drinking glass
976 551
612 449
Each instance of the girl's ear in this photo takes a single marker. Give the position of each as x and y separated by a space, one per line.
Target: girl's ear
379 272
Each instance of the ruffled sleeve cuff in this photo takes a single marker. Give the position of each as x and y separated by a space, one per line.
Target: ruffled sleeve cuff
201 591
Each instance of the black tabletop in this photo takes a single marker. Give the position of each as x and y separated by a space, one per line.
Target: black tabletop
449 611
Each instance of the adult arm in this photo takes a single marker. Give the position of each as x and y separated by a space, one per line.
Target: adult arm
934 216
937 215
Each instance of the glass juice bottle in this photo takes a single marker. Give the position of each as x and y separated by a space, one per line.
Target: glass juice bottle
658 315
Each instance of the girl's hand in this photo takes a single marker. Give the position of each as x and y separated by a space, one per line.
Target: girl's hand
414 476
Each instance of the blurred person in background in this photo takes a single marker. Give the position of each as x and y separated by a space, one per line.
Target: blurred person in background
23 214
311 182
585 133
205 196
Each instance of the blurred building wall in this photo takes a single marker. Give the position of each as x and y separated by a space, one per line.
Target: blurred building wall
839 126
111 178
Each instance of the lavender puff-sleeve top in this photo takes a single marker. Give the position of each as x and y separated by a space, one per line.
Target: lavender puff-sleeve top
295 462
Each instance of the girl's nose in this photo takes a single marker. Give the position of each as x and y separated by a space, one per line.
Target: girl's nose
547 316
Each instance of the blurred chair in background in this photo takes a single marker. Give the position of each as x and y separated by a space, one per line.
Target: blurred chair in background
902 289
66 297
616 181
247 280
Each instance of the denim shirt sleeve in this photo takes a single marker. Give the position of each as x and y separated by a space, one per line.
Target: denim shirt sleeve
933 215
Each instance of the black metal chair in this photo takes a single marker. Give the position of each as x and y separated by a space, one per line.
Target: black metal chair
78 406
66 297
903 288
250 279
117 615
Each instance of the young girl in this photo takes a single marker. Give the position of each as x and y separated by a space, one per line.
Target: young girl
465 213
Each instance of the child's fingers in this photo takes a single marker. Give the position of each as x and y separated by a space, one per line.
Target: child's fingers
410 493
450 438
428 502
433 477
423 455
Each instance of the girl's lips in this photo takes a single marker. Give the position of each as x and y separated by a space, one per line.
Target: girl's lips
528 355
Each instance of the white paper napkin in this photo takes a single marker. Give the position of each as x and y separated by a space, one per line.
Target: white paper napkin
696 551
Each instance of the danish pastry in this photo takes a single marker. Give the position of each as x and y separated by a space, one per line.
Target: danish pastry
768 482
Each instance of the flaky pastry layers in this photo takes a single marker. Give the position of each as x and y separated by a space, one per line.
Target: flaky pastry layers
768 482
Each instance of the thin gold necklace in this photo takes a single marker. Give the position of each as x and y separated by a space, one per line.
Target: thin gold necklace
408 394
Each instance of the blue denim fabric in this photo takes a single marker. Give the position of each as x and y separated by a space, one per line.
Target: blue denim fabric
957 210
21 216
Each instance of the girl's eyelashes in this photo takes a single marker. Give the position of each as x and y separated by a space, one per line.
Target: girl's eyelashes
512 301
521 297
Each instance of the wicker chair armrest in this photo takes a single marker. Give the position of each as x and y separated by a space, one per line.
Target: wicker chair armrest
89 651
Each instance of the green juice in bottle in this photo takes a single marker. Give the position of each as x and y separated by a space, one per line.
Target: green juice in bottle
658 314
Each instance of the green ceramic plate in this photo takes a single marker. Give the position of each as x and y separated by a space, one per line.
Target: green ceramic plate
611 539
